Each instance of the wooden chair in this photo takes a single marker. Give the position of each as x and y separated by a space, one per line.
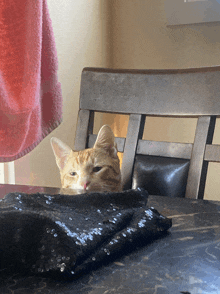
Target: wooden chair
177 93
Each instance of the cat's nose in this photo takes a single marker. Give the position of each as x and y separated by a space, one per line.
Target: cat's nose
86 184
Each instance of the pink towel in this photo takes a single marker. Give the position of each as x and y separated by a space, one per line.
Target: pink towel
30 94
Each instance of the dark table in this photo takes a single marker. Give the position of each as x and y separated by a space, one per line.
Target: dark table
186 260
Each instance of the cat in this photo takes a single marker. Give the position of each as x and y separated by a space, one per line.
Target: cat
93 169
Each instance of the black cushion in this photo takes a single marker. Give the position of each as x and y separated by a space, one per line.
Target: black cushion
161 175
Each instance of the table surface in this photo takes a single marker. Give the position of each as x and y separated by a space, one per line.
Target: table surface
186 260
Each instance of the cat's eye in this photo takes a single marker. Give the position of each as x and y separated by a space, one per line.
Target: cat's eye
96 169
73 174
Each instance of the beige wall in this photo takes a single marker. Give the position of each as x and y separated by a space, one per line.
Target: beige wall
141 39
120 34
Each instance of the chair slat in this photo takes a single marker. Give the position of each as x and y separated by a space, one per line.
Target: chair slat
212 153
166 149
82 130
133 130
120 142
198 152
152 92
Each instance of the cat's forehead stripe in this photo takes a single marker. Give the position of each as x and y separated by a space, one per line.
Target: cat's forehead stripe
83 156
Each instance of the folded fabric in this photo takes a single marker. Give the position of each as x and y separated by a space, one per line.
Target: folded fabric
30 94
66 236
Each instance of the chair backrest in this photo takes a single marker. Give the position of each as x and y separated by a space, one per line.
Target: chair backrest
177 93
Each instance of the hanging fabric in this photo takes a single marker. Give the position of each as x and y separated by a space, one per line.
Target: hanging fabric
30 94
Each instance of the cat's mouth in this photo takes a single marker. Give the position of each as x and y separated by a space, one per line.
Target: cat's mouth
92 187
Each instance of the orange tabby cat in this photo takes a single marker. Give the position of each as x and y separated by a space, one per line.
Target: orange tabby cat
93 169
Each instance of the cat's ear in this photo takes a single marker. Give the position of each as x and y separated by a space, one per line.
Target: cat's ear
61 152
106 140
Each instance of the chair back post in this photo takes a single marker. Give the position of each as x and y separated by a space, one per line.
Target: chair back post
134 133
84 128
197 157
205 163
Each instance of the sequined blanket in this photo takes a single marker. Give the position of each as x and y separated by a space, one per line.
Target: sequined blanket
66 236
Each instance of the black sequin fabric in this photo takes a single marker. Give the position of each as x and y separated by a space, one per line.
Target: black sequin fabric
67 236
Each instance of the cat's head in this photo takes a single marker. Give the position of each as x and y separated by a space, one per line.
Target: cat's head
93 169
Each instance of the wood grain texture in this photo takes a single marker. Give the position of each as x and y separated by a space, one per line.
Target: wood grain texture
166 149
198 152
212 153
153 92
130 149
